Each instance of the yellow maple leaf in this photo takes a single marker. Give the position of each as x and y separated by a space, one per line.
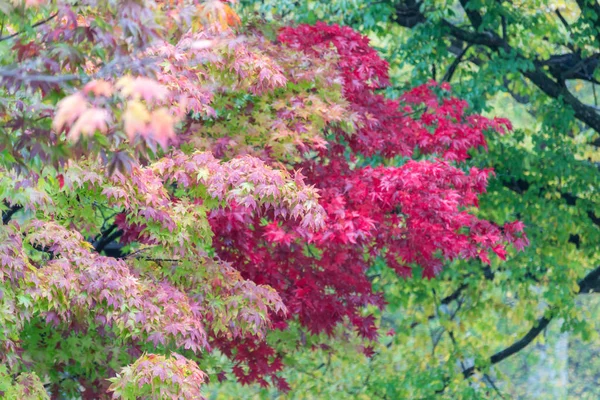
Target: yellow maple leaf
161 124
135 119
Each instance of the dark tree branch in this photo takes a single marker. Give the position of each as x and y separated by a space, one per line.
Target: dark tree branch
408 13
589 284
518 98
571 200
536 74
445 301
42 22
457 48
563 20
454 295
520 186
448 75
493 385
519 345
7 215
487 273
473 15
573 66
554 89
44 249
488 39
575 239
586 285
107 237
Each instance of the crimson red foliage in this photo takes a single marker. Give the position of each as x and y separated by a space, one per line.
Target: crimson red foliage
443 127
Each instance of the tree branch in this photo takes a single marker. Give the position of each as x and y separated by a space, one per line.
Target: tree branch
21 76
473 15
445 301
552 88
408 13
491 382
107 236
563 20
7 215
456 49
448 75
573 66
556 90
42 22
488 275
586 285
520 186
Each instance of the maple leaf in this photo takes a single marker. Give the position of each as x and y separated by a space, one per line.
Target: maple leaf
141 87
68 110
61 181
161 125
90 121
180 377
99 88
216 13
135 119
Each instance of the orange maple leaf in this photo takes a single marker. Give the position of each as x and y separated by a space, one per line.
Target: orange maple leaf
99 88
142 87
218 14
135 119
161 124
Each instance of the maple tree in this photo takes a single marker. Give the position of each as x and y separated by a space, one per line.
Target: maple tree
527 326
177 185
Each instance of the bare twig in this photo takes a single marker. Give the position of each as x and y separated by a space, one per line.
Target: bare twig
42 22
563 20
493 385
450 73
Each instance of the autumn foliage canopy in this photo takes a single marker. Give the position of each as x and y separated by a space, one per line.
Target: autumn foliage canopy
177 184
